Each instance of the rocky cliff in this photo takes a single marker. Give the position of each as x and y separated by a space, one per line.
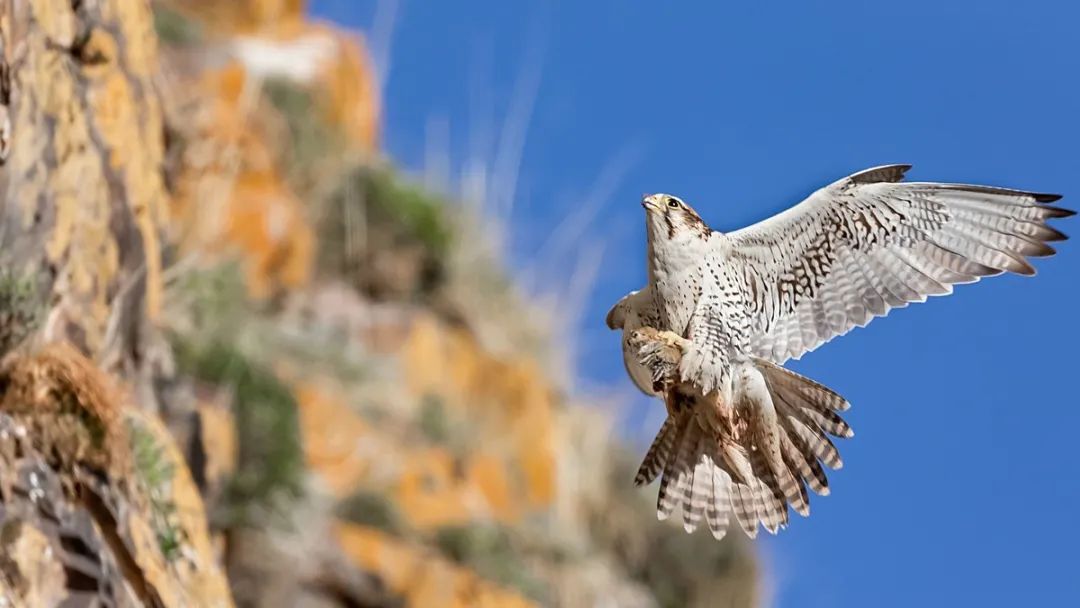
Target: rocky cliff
248 362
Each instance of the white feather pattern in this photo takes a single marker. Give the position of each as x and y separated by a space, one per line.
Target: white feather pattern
869 243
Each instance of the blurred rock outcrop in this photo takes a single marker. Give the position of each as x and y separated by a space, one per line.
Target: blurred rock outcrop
247 361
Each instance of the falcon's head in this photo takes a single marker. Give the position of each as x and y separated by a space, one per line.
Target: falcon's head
668 217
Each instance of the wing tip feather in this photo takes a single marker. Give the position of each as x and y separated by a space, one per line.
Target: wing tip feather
1051 234
1057 212
1046 197
881 173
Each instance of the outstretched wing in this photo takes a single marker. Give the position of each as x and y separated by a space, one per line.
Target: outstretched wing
869 243
635 310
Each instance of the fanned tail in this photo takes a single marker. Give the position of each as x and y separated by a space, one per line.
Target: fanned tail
751 463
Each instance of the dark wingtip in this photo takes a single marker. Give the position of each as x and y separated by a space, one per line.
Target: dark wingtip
883 173
1050 234
1059 212
1025 270
1045 197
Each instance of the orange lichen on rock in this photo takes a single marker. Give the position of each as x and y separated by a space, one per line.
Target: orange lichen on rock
217 432
244 16
431 487
437 489
231 199
334 437
115 102
267 223
430 492
347 90
86 209
435 485
419 576
487 473
507 397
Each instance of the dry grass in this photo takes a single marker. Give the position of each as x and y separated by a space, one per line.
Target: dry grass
72 408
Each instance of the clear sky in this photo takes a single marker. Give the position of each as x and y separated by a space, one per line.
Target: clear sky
961 484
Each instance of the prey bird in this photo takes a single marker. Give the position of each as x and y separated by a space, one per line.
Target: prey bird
722 312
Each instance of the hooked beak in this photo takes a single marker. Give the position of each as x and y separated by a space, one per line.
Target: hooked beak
651 203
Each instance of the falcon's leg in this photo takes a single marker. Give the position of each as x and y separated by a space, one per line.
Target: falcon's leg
661 352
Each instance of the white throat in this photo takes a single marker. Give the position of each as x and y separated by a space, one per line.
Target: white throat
674 256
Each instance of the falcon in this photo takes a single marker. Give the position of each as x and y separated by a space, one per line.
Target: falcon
722 312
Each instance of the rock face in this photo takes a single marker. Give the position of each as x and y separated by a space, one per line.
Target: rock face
241 358
96 504
84 199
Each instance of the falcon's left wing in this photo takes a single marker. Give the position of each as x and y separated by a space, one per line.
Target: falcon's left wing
635 310
867 243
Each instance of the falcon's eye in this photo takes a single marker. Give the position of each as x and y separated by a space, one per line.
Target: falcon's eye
673 202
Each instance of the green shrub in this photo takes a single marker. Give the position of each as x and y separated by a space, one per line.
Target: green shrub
155 474
271 462
21 309
175 29
372 509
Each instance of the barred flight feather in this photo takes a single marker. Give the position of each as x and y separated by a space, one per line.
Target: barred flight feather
908 241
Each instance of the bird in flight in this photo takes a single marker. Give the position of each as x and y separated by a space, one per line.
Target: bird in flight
722 312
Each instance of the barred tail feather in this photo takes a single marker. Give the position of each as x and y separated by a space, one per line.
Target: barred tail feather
746 506
669 495
701 494
802 461
773 508
693 475
744 501
659 453
717 472
718 511
808 413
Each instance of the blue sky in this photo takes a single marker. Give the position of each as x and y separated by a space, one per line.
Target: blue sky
961 483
